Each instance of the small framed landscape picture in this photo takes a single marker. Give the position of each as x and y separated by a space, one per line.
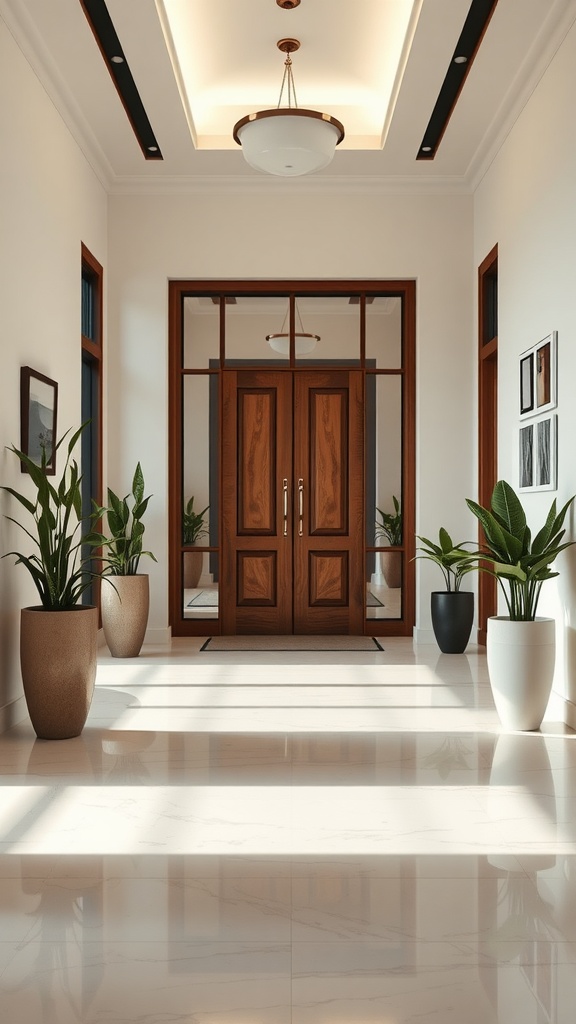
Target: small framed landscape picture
38 411
539 377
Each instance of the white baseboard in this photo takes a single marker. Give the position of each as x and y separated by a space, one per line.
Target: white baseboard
13 713
423 636
158 637
569 716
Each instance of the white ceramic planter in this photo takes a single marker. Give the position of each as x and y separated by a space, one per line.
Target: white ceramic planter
521 658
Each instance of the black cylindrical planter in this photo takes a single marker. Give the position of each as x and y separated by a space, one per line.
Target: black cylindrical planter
452 618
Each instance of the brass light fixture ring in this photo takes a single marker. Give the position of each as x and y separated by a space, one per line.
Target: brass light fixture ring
288 45
288 5
297 334
288 112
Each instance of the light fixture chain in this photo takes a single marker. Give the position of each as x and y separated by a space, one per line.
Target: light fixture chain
291 86
288 84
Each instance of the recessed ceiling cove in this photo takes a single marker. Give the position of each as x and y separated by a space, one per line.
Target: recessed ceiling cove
229 67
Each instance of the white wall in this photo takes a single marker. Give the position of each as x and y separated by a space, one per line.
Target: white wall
527 204
50 202
155 238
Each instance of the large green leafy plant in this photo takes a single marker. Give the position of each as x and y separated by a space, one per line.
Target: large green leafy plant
453 560
520 563
122 549
60 573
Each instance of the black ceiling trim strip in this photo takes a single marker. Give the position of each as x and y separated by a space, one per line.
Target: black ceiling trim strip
105 34
477 21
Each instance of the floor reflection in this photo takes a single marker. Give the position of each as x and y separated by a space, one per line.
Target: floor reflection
206 937
173 864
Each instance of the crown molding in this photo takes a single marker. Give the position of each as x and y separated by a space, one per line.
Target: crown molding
314 184
32 46
533 68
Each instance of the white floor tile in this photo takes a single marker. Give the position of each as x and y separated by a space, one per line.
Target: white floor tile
289 839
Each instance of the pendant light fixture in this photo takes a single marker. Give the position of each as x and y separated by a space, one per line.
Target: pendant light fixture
303 341
288 140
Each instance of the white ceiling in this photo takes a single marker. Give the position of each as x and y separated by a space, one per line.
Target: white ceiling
200 65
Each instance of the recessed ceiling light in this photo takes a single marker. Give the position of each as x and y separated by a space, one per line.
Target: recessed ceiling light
426 149
460 60
117 59
152 149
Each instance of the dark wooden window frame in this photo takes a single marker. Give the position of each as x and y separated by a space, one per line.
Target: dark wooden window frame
223 290
487 416
92 351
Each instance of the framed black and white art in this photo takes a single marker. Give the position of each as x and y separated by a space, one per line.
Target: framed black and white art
538 377
538 454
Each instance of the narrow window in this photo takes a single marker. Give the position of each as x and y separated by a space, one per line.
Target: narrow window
91 336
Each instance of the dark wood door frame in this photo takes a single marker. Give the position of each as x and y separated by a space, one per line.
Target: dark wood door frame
360 291
487 415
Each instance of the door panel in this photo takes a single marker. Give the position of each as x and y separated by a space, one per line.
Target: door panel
328 476
292 502
328 459
256 582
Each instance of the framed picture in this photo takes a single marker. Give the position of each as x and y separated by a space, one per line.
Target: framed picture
545 450
527 384
539 377
38 411
526 454
538 454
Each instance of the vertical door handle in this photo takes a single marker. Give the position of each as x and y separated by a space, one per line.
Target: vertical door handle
285 492
300 505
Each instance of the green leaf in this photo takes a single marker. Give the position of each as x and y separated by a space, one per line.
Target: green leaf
507 507
445 540
492 530
138 485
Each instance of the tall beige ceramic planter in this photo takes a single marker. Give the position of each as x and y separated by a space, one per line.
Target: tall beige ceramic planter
58 661
125 602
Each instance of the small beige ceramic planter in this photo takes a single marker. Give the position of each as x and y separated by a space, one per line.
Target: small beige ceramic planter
125 601
58 662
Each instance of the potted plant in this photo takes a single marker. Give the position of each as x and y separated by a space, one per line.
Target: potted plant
520 645
58 637
389 525
193 527
452 609
125 594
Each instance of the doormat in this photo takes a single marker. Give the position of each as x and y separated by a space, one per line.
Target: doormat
205 599
225 644
209 599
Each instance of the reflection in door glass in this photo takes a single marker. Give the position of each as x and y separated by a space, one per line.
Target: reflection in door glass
200 331
384 332
251 324
327 328
384 584
384 460
200 584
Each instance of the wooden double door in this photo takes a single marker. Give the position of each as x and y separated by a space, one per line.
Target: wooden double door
292 501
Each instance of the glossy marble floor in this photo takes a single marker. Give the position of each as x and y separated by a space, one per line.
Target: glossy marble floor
289 839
